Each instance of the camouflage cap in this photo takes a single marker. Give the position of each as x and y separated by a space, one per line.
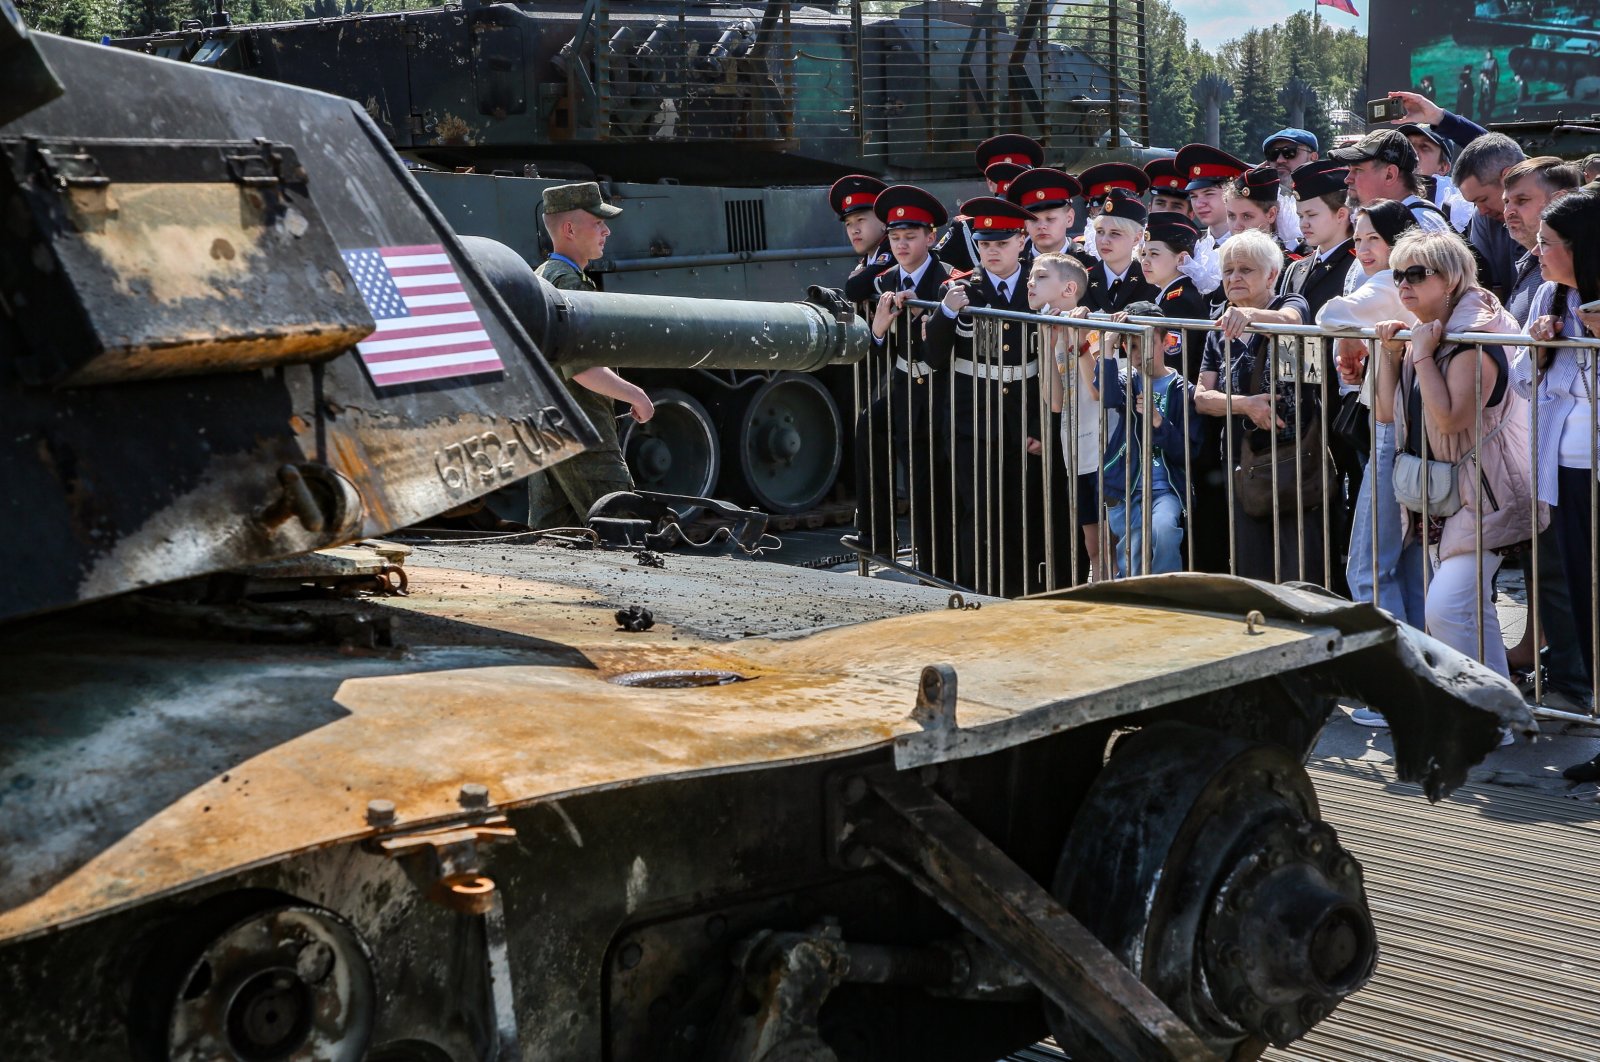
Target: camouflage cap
560 198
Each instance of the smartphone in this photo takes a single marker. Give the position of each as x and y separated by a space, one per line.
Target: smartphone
1387 109
1591 307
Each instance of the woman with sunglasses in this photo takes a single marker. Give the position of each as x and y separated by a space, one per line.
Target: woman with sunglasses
1235 379
1433 388
1569 258
1378 225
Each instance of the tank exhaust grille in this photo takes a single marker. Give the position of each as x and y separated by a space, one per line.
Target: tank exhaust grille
747 225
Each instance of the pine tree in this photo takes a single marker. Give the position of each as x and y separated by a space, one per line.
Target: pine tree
1170 76
1259 114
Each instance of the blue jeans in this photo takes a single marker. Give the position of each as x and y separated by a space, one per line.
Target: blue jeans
1399 577
1166 533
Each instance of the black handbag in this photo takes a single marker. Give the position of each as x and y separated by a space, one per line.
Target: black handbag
1353 423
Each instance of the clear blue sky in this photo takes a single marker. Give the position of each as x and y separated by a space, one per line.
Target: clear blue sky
1216 21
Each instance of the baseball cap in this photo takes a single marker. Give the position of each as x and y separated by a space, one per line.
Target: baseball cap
1388 146
1303 137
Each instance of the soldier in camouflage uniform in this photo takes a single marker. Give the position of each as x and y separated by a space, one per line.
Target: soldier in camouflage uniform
575 215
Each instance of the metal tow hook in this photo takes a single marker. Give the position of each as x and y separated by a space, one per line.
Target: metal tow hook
958 603
1254 622
297 500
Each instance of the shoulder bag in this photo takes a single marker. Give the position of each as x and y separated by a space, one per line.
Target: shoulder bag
1298 459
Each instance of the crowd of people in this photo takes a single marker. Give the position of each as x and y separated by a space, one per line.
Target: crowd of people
1430 480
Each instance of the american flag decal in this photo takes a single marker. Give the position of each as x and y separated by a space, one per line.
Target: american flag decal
427 328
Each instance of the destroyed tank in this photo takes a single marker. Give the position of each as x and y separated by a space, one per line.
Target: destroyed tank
478 822
717 127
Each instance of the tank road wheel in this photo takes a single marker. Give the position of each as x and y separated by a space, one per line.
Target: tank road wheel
676 452
285 983
786 443
1200 860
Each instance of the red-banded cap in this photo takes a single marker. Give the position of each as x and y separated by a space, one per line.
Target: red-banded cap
853 193
1043 188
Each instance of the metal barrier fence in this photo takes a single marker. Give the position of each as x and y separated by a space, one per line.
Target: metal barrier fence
998 447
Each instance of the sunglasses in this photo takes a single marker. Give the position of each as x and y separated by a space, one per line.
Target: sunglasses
1288 151
1414 275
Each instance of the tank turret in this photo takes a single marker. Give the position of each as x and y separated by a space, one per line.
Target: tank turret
237 331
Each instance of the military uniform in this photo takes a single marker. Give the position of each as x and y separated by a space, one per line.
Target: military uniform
1106 295
903 432
957 248
563 494
1206 167
1043 188
849 195
995 407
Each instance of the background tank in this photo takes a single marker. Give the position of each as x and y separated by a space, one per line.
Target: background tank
718 128
476 823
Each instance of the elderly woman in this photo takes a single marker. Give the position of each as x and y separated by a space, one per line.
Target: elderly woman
1432 387
1235 380
1569 258
1378 225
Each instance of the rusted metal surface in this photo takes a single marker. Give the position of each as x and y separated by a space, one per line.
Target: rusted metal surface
245 754
919 834
172 259
125 485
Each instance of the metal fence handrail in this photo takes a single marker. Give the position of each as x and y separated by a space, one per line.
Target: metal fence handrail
1137 325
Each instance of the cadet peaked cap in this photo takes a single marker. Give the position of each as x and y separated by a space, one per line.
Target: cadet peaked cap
1101 179
1319 178
1260 184
1388 146
1429 132
1121 203
1009 147
995 219
1206 166
1165 178
1170 227
1303 137
1001 174
1043 188
902 205
585 195
853 193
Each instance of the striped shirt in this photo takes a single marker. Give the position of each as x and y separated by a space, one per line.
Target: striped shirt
1560 386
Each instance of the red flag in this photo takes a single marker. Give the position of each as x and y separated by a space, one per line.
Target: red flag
1340 5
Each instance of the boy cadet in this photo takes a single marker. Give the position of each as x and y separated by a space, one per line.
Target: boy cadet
957 248
852 198
1325 219
1048 194
575 216
1169 241
1116 279
906 426
1098 182
1209 170
1168 188
995 407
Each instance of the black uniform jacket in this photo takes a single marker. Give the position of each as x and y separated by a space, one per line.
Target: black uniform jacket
908 327
1316 281
951 338
859 286
1180 299
1132 288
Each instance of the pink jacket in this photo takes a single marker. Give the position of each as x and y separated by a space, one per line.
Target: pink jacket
1506 460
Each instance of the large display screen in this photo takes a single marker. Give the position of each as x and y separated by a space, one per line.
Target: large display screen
1491 60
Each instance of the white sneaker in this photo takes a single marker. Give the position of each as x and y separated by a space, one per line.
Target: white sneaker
1367 717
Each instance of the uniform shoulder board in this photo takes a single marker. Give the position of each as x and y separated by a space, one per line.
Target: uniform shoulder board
888 269
959 274
1293 256
1175 293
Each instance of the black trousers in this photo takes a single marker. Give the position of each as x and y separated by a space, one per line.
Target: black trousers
1575 537
899 453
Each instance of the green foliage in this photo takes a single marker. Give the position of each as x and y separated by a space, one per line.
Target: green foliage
92 19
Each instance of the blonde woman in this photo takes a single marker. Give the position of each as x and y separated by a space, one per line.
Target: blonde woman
1432 387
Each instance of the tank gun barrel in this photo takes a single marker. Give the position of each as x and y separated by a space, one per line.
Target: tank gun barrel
585 329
